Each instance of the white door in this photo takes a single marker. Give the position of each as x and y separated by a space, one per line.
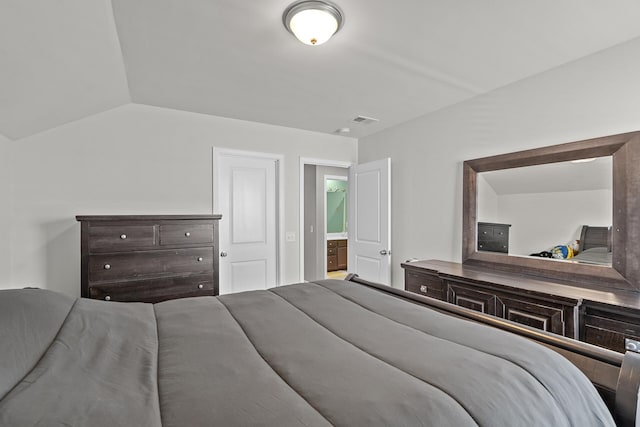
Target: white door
246 195
370 221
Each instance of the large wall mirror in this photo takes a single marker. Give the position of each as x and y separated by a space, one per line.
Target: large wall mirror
570 212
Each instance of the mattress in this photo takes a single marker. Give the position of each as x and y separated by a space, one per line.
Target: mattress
598 255
314 354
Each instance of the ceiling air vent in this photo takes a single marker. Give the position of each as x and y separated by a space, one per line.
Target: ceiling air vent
365 120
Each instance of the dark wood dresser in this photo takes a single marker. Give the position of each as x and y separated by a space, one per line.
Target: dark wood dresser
149 258
493 237
603 318
336 255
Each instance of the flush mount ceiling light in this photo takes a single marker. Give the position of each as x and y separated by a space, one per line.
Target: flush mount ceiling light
312 22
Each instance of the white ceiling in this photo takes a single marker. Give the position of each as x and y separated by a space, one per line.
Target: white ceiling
392 60
59 61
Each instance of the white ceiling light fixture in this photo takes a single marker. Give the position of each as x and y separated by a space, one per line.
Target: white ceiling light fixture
312 22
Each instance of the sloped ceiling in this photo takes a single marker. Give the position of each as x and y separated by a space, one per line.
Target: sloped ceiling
392 60
59 61
553 177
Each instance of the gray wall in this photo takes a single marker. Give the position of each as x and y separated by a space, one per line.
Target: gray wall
594 96
136 159
310 229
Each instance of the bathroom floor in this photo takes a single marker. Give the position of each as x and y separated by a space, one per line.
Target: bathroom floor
339 274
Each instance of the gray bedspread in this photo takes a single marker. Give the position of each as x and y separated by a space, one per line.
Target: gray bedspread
314 354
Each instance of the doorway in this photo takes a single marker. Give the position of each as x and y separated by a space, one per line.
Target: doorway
318 246
336 236
248 194
369 223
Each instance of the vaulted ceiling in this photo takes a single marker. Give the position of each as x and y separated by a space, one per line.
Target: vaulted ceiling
68 59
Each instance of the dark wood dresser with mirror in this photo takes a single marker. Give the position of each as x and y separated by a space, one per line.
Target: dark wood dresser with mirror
148 258
592 295
601 318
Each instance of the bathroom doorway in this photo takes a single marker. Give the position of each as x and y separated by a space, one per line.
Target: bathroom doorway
321 246
336 201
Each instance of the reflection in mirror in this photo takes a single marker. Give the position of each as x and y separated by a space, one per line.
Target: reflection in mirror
336 206
561 211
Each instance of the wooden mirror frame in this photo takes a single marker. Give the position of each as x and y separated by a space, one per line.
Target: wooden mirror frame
625 270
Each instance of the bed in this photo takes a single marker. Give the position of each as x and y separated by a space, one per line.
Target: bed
332 352
595 245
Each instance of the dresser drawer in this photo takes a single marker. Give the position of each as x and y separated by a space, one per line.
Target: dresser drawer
425 284
610 332
493 246
332 251
154 290
606 338
332 263
485 232
120 266
468 296
185 234
548 317
115 238
332 243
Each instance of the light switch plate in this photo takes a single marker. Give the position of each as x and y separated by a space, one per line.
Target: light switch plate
291 236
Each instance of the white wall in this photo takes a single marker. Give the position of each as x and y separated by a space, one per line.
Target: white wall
487 207
540 221
136 159
595 96
5 213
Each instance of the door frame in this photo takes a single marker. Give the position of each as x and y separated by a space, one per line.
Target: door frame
315 162
217 154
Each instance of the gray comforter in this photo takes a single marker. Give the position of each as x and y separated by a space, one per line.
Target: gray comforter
312 354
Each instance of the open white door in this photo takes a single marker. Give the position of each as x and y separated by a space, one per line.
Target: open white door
370 221
246 194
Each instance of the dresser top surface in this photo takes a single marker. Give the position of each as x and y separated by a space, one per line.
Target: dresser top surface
147 217
526 283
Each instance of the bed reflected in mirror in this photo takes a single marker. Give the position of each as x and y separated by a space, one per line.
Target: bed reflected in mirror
558 212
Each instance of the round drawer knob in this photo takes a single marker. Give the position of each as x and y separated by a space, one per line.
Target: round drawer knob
187 234
123 236
200 259
423 289
200 286
107 266
107 298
